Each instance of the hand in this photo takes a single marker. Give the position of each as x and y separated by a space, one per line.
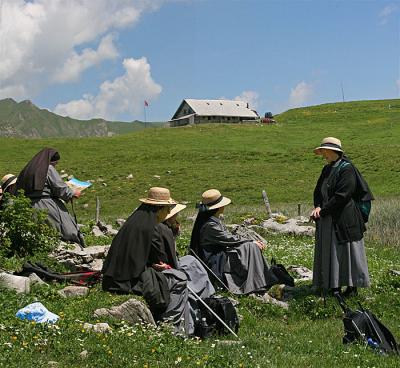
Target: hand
77 193
161 266
315 213
261 245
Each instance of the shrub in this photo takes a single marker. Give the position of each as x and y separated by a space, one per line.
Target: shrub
24 230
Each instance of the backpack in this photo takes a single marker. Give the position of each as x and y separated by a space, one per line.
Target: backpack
208 324
278 275
363 325
362 195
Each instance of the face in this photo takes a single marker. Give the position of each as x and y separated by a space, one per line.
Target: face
53 163
163 212
329 155
220 211
172 220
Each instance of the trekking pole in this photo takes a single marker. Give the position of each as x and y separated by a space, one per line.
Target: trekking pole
212 312
81 244
210 270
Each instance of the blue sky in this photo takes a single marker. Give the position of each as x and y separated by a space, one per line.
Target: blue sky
103 58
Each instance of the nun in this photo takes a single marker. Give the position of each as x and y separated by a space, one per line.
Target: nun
41 182
128 265
236 261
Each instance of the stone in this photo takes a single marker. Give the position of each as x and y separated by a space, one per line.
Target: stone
97 265
63 176
110 230
290 226
96 231
83 354
120 222
266 298
98 327
74 291
35 279
104 184
52 364
132 311
69 177
86 205
20 284
130 176
302 273
395 272
157 176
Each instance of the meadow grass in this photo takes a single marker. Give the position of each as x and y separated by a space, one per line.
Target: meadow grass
240 161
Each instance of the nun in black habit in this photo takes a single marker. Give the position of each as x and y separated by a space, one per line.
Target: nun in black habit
237 261
41 182
128 268
163 257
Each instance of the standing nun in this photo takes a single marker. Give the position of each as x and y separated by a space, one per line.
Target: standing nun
44 186
339 257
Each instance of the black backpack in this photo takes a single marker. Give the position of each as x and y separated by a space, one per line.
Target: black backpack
208 324
277 274
364 326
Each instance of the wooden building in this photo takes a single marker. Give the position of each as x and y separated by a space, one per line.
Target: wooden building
193 111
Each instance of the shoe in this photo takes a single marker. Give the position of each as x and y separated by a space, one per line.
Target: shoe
350 292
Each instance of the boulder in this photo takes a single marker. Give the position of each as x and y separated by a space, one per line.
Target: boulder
132 311
74 291
35 279
20 284
120 222
290 226
96 231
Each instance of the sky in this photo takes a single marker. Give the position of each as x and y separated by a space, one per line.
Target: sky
104 58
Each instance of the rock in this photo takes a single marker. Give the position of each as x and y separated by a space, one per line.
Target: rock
96 231
83 354
120 222
74 291
63 176
96 265
289 227
266 298
62 172
132 311
157 176
98 327
35 279
169 172
70 177
395 272
302 273
86 205
104 184
20 284
191 218
130 176
52 364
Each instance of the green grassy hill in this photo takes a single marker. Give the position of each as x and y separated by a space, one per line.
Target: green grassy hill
240 160
26 120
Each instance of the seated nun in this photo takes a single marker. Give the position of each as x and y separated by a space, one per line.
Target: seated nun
238 262
163 258
41 182
7 186
127 267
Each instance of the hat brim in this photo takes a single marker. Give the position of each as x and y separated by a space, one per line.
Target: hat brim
224 202
9 184
178 208
318 150
168 202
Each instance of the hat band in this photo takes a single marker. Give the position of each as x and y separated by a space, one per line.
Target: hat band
7 183
330 145
214 202
203 207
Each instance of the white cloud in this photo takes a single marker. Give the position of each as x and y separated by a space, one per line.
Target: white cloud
40 40
124 94
300 94
77 63
249 96
386 12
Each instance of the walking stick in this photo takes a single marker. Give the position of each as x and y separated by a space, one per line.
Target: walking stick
209 270
212 312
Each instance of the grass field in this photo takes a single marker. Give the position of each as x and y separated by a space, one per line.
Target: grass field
240 161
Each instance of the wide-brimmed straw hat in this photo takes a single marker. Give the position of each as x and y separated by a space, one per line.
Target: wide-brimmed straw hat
158 197
7 180
176 209
213 199
330 143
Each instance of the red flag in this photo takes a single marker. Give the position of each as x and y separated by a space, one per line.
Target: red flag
146 103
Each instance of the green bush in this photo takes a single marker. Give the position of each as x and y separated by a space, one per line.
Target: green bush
24 230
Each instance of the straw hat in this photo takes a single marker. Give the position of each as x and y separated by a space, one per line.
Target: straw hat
158 197
330 143
213 199
7 180
178 208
